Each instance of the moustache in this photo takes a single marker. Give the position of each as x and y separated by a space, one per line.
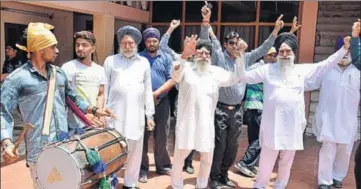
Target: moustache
286 57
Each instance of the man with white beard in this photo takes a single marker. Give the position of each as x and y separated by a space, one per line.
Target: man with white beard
283 119
129 95
198 94
336 119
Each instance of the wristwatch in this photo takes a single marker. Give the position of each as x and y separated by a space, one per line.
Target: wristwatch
94 110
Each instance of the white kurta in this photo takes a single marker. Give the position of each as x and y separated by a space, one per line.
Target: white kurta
128 94
283 119
197 100
336 113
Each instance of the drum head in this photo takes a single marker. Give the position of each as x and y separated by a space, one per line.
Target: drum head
57 169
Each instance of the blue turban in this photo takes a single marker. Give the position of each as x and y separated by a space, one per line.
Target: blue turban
129 30
151 33
339 43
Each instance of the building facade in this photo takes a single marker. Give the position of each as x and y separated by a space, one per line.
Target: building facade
322 22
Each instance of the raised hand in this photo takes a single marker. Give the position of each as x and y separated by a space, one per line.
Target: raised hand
356 28
206 14
190 44
242 45
241 48
279 23
347 42
295 27
174 24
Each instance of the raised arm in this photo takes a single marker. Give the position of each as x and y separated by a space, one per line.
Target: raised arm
319 69
206 33
240 74
294 27
163 44
254 55
177 71
355 45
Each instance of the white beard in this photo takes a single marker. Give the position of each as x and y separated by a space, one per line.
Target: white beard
286 67
128 53
202 65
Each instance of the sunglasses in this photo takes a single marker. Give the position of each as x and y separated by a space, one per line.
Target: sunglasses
232 43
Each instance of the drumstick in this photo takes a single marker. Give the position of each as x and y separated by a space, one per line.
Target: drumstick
22 135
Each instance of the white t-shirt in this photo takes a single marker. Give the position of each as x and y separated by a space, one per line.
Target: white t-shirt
87 81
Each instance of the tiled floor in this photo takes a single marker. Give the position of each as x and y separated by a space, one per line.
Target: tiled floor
303 176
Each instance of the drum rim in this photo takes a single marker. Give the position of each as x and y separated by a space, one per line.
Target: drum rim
80 173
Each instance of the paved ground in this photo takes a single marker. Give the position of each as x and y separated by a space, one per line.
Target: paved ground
303 176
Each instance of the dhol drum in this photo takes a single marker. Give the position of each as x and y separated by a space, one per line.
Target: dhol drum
64 165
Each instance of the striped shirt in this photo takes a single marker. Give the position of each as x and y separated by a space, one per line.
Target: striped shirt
254 93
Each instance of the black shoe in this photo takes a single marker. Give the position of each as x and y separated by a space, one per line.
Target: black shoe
189 169
322 186
244 169
227 182
126 187
215 184
337 184
165 171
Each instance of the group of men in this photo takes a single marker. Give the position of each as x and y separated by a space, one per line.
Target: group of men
211 83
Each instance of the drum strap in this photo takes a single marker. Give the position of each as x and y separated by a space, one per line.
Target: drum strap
49 102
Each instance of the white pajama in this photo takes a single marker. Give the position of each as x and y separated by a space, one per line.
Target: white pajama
134 159
267 161
177 168
333 162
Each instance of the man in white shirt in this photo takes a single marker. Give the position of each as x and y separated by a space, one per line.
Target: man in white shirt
283 119
86 77
130 97
336 119
199 83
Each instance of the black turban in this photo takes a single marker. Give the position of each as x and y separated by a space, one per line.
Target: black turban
206 44
289 38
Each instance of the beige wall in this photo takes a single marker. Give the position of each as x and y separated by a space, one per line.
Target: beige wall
98 7
63 30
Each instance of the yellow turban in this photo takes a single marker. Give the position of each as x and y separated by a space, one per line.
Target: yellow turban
39 37
271 50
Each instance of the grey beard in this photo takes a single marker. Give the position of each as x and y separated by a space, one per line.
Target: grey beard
128 54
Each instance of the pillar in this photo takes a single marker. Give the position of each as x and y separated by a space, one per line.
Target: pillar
104 34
